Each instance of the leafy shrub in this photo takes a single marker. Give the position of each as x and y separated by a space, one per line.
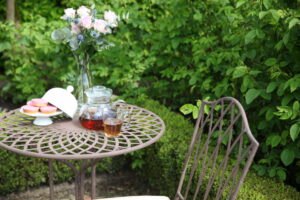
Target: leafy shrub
32 64
164 161
28 10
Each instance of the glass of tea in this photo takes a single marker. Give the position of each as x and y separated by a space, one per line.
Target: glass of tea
112 126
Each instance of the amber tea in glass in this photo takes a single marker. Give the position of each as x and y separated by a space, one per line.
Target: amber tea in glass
112 126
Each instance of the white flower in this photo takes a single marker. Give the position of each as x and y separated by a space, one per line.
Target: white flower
70 12
83 11
111 18
101 26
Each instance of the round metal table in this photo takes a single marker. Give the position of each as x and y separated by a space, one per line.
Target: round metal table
66 140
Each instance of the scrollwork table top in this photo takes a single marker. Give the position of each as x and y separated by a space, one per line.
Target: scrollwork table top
66 139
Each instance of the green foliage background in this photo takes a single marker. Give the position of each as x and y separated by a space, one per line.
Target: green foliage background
178 51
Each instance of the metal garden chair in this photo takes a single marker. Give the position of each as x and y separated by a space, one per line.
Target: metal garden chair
219 156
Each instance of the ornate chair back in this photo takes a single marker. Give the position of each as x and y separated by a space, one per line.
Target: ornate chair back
220 153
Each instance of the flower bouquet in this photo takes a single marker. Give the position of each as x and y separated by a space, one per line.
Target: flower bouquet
85 35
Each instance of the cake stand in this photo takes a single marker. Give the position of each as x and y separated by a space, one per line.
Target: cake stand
42 119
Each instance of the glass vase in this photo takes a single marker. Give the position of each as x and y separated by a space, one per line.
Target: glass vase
84 79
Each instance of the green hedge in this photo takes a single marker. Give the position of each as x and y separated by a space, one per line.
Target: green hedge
18 173
163 161
21 172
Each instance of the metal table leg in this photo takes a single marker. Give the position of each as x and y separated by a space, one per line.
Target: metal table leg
51 190
79 177
93 176
79 185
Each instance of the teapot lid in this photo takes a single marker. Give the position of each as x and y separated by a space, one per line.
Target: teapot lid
99 93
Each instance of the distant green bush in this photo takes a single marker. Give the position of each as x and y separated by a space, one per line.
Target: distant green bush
163 161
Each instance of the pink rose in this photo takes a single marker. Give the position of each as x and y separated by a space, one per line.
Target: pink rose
86 22
101 26
75 29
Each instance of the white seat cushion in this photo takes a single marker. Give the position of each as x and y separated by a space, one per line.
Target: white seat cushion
138 198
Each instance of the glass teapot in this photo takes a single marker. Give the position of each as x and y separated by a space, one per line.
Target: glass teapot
98 108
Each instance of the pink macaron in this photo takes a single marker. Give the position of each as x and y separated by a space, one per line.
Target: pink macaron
39 102
30 109
48 109
29 103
